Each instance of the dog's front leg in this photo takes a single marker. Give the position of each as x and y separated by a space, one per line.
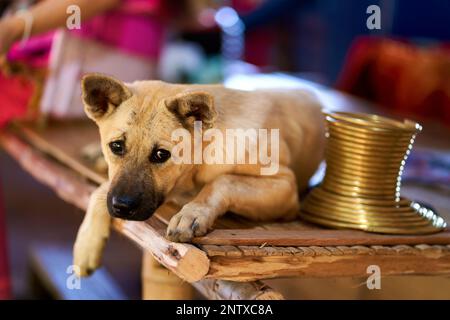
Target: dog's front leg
93 233
254 197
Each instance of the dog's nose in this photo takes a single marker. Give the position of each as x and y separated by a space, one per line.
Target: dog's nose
125 206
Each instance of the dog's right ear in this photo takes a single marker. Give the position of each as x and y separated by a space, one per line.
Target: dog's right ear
102 94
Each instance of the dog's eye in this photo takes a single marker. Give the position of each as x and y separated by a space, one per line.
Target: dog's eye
159 156
117 147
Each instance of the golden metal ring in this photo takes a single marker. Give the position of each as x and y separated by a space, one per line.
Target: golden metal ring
362 191
385 147
361 165
383 210
377 153
372 131
371 201
367 119
363 218
371 156
349 180
339 130
351 135
360 173
375 121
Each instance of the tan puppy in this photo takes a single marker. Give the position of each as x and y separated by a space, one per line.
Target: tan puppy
137 122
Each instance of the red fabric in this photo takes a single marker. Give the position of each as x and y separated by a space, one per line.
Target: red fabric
400 76
15 94
17 89
5 283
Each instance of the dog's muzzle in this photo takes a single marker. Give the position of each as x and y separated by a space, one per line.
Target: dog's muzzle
125 206
132 207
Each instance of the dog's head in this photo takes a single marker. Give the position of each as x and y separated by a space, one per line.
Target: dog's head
136 122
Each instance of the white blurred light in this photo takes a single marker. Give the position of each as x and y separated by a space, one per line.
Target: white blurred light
226 17
250 82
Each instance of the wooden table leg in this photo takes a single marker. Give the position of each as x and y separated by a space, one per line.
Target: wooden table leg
214 289
158 283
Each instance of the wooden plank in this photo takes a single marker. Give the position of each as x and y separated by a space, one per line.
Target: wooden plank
185 260
427 260
212 250
317 237
64 141
232 251
268 262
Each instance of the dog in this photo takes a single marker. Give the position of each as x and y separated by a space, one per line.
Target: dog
136 123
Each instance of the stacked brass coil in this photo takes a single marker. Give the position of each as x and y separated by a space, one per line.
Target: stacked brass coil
365 157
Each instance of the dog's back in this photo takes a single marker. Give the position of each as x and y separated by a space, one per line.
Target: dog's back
296 113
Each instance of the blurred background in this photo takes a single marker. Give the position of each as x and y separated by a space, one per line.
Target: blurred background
395 56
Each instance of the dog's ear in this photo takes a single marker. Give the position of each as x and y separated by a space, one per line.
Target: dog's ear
101 93
193 106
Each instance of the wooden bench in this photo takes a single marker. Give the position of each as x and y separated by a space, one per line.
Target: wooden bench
229 262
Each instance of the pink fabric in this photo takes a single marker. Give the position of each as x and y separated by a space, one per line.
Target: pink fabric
35 52
136 27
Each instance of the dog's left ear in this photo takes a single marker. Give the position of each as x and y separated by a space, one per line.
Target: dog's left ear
101 93
193 106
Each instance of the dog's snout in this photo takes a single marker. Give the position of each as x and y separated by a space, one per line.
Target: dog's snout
133 198
125 206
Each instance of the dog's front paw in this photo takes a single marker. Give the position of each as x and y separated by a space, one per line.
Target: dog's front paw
192 221
87 253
